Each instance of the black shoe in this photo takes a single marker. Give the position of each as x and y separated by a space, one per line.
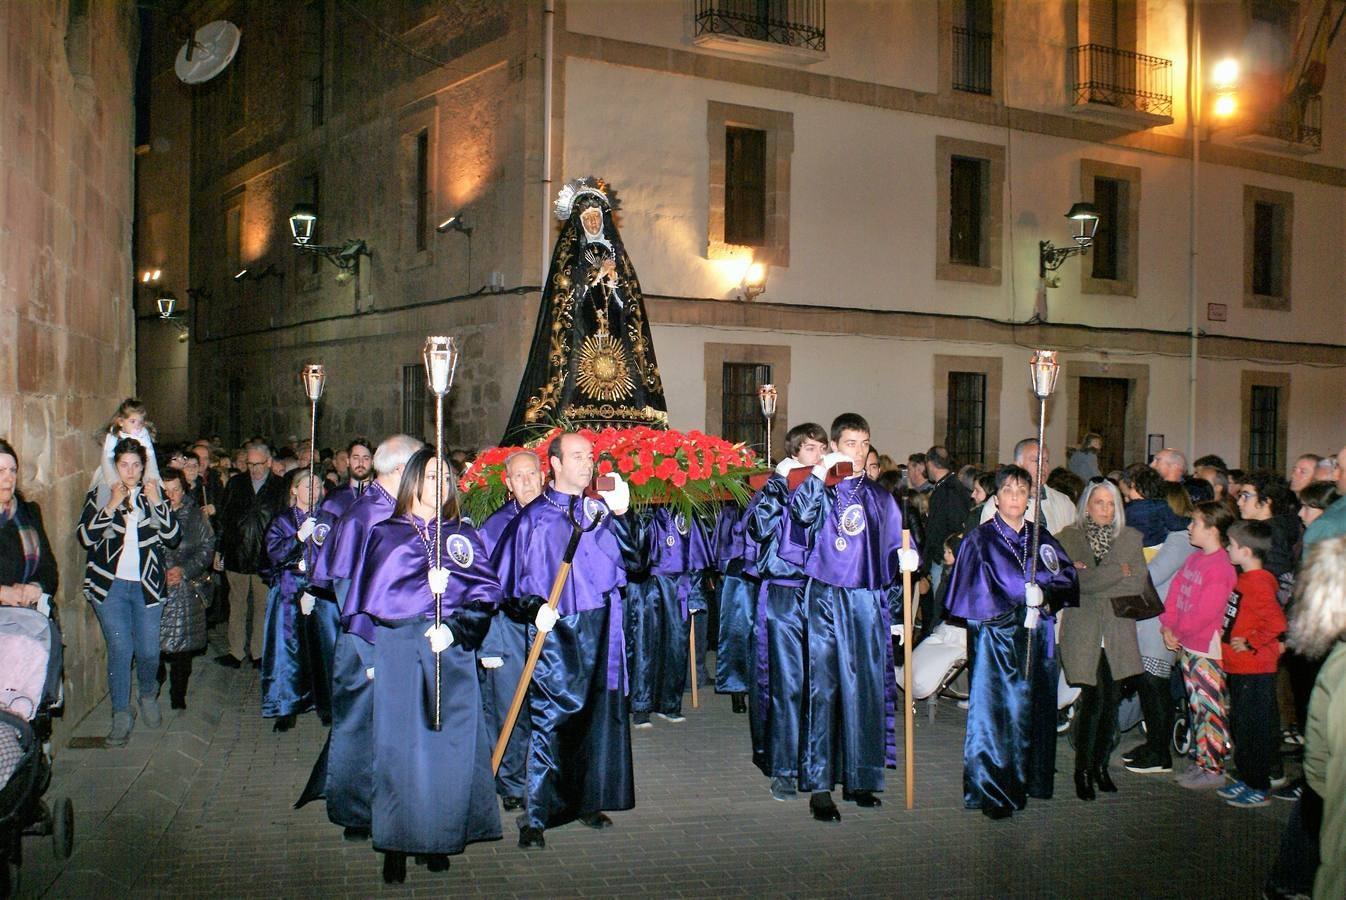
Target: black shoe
531 837
1140 751
1145 764
1104 780
355 834
394 867
229 661
864 799
256 663
512 803
596 820
996 813
176 703
284 723
740 702
437 862
1084 785
822 807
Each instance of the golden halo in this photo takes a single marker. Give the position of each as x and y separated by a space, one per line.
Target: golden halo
602 370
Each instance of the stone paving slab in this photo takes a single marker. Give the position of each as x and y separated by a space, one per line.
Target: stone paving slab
202 807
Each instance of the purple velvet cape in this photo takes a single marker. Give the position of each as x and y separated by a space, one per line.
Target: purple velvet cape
988 577
344 549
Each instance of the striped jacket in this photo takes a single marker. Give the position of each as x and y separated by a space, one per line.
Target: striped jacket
103 535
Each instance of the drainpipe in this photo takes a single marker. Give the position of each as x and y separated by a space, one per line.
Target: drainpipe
548 19
1194 135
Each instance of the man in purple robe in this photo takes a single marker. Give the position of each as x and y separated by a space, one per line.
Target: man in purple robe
360 466
343 772
506 645
579 751
854 559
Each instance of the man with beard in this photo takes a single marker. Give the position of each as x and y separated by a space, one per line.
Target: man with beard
360 462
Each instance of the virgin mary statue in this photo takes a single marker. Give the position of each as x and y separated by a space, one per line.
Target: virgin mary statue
592 360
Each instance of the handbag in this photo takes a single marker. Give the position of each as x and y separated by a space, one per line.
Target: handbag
1145 605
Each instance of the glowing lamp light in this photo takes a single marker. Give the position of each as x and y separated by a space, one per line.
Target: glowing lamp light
441 361
1225 74
313 377
1225 105
1043 370
303 220
754 280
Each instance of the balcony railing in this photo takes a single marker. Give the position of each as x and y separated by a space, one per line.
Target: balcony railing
1122 79
1296 123
791 23
971 61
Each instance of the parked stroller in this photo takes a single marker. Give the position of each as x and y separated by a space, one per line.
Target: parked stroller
30 694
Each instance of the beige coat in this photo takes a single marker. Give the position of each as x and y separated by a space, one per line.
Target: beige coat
1093 624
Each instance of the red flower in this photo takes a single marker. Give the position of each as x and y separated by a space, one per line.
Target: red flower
679 478
640 476
626 464
605 467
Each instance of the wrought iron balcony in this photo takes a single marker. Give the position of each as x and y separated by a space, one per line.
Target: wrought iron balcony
1296 123
789 23
1106 76
971 61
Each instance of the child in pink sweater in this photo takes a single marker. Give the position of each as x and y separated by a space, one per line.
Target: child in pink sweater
1191 623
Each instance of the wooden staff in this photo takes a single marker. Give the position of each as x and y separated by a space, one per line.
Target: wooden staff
691 649
908 718
535 652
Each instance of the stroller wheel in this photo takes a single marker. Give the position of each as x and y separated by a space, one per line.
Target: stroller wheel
63 829
1182 736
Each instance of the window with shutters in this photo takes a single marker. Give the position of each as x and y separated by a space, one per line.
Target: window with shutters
413 399
744 186
748 185
313 60
1268 222
1113 265
971 209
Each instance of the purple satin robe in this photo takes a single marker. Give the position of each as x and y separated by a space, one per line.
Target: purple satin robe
729 539
343 497
531 547
345 547
990 573
495 523
855 531
393 582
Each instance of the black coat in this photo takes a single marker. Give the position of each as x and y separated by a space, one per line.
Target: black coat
11 552
243 520
949 505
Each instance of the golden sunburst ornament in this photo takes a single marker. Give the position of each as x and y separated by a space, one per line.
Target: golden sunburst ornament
602 369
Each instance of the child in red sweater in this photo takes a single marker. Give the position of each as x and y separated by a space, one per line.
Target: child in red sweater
1249 650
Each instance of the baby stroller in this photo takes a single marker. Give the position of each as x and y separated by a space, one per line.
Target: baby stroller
30 692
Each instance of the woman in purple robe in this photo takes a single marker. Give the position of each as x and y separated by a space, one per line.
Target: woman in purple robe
1009 753
432 789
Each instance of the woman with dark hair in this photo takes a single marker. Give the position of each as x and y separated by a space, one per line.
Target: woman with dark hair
983 489
1010 750
27 566
1098 648
433 792
182 630
124 580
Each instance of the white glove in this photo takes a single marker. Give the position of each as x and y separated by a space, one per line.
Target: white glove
788 465
306 530
491 662
439 580
830 461
1033 595
306 601
908 560
1031 618
619 498
898 631
546 618
695 611
441 638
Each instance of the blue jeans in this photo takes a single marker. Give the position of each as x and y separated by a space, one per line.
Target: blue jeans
131 630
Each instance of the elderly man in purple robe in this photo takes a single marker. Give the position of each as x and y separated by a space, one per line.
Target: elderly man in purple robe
579 751
506 645
343 771
854 560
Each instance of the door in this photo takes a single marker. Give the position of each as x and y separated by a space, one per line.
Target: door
1103 410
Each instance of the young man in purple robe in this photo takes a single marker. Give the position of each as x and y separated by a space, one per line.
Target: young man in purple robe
772 553
579 751
342 772
854 560
360 468
1009 603
506 646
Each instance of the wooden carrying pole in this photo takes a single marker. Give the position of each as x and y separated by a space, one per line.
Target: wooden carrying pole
908 718
691 654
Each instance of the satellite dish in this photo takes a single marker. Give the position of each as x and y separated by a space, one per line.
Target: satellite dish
208 53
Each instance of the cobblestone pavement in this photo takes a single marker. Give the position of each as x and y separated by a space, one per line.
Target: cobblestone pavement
202 807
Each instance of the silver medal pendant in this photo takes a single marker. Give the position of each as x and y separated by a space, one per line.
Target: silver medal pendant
840 543
303 564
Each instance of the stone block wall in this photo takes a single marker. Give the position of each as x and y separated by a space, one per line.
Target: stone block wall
66 132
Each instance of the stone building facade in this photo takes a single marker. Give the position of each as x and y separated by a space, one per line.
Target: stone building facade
883 131
66 133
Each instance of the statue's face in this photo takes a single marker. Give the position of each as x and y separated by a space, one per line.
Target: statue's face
592 221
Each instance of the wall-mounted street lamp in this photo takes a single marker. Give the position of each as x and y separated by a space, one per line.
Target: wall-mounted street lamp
167 303
456 223
1050 257
303 224
753 284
